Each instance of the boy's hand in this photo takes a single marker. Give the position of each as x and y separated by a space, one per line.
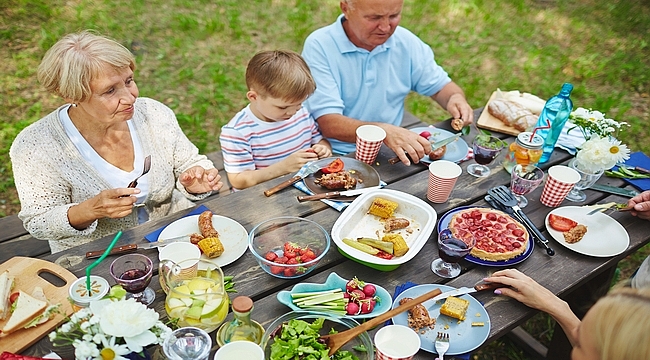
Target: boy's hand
296 160
321 150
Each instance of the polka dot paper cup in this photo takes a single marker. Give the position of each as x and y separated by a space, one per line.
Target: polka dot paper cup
442 178
560 181
369 140
396 342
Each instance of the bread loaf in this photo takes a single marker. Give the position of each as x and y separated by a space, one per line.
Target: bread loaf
512 114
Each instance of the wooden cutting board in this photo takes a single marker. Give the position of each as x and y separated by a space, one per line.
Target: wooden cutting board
489 122
27 273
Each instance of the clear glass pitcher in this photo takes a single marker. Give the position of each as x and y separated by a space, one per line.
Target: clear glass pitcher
195 293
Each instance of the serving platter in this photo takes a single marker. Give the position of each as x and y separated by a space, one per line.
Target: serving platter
334 281
444 224
456 151
232 234
605 236
365 174
463 337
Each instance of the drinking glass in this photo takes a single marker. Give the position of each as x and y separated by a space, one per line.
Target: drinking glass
133 272
486 149
586 180
451 250
187 343
523 180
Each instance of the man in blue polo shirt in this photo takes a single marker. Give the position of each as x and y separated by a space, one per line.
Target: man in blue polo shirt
364 65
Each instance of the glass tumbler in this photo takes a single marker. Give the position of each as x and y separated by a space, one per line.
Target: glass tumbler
187 343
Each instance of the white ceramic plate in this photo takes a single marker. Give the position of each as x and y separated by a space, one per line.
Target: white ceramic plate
334 281
463 337
354 223
456 151
605 236
232 234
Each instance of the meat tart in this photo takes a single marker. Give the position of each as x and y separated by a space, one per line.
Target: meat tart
498 236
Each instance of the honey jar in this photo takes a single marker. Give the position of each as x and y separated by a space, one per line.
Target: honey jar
526 150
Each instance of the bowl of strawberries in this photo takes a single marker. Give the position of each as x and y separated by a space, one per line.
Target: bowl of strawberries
288 247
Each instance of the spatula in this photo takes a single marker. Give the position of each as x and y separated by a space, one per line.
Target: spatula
336 341
503 195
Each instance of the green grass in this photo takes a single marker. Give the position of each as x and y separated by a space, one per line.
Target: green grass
192 54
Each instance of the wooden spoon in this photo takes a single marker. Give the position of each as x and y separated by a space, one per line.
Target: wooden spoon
336 341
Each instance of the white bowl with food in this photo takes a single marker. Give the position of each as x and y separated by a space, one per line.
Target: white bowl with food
406 218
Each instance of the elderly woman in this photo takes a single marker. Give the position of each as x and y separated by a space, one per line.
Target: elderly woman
72 168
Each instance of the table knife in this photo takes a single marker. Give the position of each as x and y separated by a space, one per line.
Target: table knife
124 249
614 190
333 194
435 145
305 171
462 291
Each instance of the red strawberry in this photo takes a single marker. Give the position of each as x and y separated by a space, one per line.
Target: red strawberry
281 260
271 256
276 269
289 272
308 254
289 246
292 261
290 254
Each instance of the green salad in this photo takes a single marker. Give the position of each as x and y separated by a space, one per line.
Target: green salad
298 339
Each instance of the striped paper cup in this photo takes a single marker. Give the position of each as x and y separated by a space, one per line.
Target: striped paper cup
369 140
560 181
442 178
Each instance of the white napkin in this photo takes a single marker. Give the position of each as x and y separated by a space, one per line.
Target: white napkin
570 140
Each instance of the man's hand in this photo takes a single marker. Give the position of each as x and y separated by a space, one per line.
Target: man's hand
198 180
640 205
460 110
403 141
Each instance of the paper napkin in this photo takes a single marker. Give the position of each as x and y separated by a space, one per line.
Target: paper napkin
153 236
570 141
638 159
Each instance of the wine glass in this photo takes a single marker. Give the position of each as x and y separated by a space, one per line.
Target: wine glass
133 272
187 343
486 149
451 250
523 180
586 180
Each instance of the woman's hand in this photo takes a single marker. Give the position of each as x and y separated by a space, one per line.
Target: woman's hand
113 203
524 289
198 180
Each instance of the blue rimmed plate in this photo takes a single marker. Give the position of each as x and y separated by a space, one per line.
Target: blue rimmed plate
463 337
444 224
334 281
456 151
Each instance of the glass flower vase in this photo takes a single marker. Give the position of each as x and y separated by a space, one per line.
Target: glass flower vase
586 180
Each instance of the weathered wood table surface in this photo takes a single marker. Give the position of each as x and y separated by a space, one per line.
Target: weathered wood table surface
568 274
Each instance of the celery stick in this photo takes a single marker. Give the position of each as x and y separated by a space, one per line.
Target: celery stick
321 299
313 293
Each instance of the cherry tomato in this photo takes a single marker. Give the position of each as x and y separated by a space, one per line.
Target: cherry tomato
334 167
560 223
13 297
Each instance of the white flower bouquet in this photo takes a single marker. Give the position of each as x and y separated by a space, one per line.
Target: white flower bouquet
598 154
109 329
594 123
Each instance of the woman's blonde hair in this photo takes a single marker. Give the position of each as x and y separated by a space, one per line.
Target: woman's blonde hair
621 324
73 62
281 74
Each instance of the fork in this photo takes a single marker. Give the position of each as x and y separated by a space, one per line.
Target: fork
145 170
442 344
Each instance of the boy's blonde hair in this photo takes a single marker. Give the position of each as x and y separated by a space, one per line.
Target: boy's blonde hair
73 62
281 74
621 324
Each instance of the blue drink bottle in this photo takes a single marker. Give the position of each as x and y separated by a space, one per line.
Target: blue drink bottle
555 113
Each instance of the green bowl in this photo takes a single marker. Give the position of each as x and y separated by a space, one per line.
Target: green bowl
368 264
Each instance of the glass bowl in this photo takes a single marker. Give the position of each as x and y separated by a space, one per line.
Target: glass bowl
331 322
268 240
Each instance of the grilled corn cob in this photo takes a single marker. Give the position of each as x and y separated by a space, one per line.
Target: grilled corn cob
382 208
399 245
211 247
455 307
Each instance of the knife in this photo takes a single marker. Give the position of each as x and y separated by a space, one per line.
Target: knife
462 291
614 190
438 144
333 194
305 171
133 247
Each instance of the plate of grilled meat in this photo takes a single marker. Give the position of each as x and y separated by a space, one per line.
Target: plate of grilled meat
354 175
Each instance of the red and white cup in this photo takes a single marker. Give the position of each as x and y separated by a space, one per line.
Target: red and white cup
369 140
559 182
442 178
396 342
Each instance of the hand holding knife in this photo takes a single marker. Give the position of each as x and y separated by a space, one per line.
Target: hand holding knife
435 145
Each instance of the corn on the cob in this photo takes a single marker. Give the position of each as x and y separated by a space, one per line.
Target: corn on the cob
382 208
455 307
399 245
211 247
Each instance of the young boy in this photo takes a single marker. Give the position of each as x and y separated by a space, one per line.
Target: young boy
274 135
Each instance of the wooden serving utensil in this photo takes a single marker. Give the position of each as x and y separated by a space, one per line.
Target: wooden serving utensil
336 341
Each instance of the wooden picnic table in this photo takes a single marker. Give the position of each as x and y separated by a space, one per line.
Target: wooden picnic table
577 278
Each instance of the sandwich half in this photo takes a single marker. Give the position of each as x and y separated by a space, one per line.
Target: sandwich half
6 284
27 308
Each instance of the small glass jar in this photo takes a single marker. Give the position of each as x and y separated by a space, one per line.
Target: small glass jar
241 328
526 150
81 297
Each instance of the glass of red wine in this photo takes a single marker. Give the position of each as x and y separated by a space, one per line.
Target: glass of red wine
486 149
133 272
451 250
